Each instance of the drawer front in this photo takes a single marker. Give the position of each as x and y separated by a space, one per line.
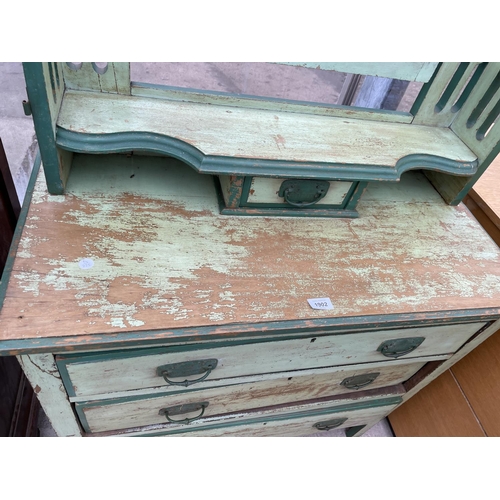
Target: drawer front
91 375
366 406
294 427
266 191
147 410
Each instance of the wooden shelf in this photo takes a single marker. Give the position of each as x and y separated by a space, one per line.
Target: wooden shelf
217 139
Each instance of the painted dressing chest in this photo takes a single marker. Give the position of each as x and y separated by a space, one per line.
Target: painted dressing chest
140 302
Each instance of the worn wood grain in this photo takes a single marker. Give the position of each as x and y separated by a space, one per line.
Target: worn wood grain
164 258
41 371
142 420
224 99
303 426
119 374
259 134
229 399
389 371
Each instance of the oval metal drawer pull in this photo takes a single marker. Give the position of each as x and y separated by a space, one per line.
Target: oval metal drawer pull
359 381
399 347
303 193
185 369
330 424
177 410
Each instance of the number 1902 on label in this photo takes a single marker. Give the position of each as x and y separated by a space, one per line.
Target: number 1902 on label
320 303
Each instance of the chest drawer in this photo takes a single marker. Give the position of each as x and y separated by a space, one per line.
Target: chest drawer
104 373
120 413
366 405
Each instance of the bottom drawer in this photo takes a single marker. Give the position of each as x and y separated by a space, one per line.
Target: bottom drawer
295 421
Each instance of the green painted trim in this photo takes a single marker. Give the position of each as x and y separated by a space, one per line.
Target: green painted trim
247 183
4 281
351 431
290 416
62 366
81 406
473 179
79 358
83 419
290 212
347 209
142 89
235 192
219 165
221 202
274 329
39 101
348 197
355 196
282 206
424 91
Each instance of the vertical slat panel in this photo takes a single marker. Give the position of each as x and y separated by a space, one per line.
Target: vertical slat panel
427 114
84 78
55 91
107 81
468 135
122 77
115 80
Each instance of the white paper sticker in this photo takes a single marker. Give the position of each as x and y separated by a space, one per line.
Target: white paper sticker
86 264
322 303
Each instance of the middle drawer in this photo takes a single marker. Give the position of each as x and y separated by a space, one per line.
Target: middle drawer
117 371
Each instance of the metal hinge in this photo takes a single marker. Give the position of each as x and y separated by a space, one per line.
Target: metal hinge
27 108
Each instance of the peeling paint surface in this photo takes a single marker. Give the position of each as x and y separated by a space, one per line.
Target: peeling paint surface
257 133
165 258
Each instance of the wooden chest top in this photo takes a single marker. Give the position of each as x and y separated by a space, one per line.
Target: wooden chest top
164 259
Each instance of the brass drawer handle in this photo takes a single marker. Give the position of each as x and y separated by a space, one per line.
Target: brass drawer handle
177 410
303 193
359 381
185 369
399 347
329 424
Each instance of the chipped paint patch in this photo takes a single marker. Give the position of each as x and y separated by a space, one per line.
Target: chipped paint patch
164 257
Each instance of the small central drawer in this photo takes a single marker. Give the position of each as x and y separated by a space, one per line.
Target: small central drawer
240 195
190 366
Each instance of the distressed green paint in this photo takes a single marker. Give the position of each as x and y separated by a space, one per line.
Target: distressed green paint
233 185
19 229
472 87
409 71
290 212
352 431
115 80
320 326
121 142
140 89
56 170
357 191
454 190
268 211
374 403
289 416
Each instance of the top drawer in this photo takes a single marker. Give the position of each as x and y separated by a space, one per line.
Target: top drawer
104 373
